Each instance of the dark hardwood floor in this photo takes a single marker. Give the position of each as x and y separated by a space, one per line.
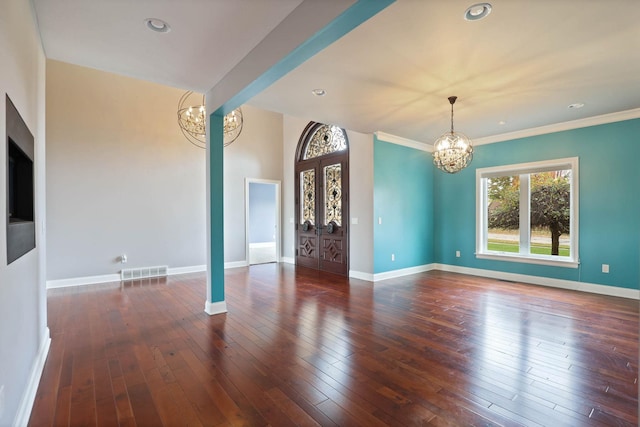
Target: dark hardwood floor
304 348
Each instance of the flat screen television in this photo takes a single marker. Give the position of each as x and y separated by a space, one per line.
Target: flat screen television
21 232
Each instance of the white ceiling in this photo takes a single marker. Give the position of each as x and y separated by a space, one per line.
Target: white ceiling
523 64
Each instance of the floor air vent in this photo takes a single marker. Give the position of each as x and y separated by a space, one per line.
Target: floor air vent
143 272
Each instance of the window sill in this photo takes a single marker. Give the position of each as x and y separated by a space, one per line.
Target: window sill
497 256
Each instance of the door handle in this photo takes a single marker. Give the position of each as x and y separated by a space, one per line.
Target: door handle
331 227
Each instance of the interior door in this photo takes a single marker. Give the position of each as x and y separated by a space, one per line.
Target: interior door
321 214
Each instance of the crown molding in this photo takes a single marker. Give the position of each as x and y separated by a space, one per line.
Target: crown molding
559 127
619 116
393 139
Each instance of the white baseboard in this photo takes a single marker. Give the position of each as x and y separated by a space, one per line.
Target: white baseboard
402 272
235 264
544 281
501 275
262 245
78 281
185 270
29 395
212 308
110 278
360 275
288 260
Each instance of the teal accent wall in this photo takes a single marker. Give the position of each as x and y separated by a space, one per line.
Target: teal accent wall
403 197
609 222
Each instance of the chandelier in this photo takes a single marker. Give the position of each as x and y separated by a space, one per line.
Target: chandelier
453 151
193 119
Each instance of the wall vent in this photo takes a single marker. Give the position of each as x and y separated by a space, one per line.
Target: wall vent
143 272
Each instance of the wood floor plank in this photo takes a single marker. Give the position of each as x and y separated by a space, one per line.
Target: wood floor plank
299 347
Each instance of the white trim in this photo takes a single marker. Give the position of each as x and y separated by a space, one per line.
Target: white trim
559 127
236 264
398 140
402 272
212 308
360 275
531 259
29 395
79 281
109 278
573 260
262 245
288 260
184 270
614 291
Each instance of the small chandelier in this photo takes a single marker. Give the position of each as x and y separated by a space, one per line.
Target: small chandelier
453 151
193 119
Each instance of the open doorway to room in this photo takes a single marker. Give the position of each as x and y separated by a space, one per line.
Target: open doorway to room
262 220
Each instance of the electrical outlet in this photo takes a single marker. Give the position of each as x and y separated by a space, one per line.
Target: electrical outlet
393 257
457 254
379 220
605 268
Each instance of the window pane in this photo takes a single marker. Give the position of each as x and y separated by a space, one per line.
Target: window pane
326 140
503 213
333 195
308 196
550 212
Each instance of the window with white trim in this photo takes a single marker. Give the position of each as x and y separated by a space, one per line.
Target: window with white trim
528 212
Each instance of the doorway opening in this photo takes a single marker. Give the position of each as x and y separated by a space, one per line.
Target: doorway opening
262 227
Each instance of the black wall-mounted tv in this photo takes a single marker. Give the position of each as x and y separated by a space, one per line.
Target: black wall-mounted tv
21 231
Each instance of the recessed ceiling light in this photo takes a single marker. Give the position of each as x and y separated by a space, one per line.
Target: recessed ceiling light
319 92
576 105
157 25
502 123
477 11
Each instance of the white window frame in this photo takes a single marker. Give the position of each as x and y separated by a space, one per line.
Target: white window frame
482 197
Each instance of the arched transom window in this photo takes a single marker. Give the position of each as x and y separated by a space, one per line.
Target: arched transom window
326 139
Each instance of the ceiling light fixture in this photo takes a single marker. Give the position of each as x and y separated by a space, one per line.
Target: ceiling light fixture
319 92
576 105
157 25
453 151
192 119
477 11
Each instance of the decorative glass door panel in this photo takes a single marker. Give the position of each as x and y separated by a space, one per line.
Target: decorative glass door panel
333 194
321 199
308 196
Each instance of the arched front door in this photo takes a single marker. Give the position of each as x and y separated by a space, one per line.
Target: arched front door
322 199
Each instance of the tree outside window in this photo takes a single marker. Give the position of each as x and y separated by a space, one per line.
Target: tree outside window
526 211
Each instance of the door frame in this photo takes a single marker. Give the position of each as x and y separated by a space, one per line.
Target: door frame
278 184
300 164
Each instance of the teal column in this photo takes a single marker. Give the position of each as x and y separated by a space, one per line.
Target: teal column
215 297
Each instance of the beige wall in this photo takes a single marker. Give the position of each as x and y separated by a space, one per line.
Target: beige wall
256 154
24 336
121 177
